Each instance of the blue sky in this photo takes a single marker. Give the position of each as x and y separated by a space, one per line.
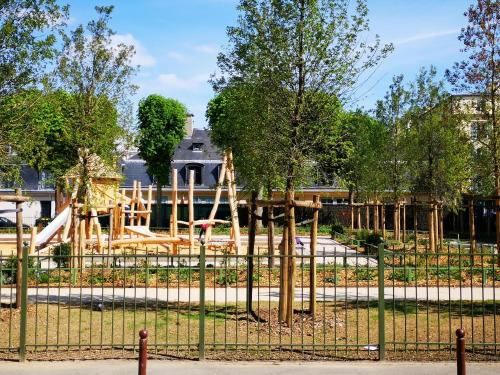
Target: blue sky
177 42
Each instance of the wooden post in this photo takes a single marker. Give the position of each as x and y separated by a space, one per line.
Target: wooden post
191 210
143 351
472 227
396 221
33 239
376 224
382 220
110 234
360 225
291 260
74 235
367 214
404 222
430 226
415 223
149 205
81 245
441 227
460 351
173 230
283 300
270 233
19 247
312 261
139 203
218 191
436 227
132 203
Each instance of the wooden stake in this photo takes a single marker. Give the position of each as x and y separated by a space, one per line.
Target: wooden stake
404 222
33 239
291 261
220 183
270 235
430 226
312 261
149 205
173 230
472 227
283 300
191 210
367 214
415 224
441 227
19 247
132 203
81 244
376 224
382 214
360 224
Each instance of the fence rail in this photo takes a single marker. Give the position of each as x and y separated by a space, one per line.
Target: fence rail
376 304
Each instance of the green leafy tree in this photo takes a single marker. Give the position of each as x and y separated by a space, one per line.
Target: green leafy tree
439 149
96 74
391 112
161 128
27 47
479 74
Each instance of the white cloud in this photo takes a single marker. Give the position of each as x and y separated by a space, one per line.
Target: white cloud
426 36
172 81
142 57
209 49
177 56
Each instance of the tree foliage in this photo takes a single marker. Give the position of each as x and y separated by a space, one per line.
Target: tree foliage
296 56
97 75
27 47
161 128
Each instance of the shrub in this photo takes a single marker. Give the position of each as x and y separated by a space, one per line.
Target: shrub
362 234
336 228
365 274
227 277
61 255
406 275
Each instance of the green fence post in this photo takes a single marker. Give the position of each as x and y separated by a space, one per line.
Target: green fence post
24 305
381 303
201 335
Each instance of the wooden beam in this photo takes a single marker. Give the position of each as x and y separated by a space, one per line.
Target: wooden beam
149 205
220 182
148 240
191 210
173 230
14 198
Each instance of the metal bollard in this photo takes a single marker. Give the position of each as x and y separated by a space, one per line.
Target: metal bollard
143 351
460 351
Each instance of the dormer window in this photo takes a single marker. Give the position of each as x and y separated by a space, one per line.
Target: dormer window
197 147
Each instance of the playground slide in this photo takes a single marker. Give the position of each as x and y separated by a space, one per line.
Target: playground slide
53 227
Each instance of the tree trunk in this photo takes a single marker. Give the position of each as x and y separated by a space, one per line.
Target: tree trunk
351 207
259 210
251 252
396 221
404 222
382 220
367 215
376 224
472 227
312 262
270 234
360 224
415 223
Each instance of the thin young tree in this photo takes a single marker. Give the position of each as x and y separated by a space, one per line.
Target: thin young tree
97 74
479 74
391 113
291 50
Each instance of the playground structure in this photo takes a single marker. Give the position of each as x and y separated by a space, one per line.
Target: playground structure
77 219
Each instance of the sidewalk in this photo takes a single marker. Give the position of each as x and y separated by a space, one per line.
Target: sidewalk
122 367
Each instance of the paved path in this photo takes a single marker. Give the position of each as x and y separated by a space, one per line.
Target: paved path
222 295
122 367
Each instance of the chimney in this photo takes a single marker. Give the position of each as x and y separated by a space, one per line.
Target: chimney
189 125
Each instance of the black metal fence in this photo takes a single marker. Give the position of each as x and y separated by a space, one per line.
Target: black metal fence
194 305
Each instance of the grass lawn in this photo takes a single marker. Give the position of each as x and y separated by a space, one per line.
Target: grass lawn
337 331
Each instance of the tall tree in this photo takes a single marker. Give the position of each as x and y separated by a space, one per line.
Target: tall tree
391 112
27 47
161 128
97 75
439 149
291 50
479 74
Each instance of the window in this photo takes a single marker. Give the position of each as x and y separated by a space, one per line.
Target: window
46 208
197 174
197 147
